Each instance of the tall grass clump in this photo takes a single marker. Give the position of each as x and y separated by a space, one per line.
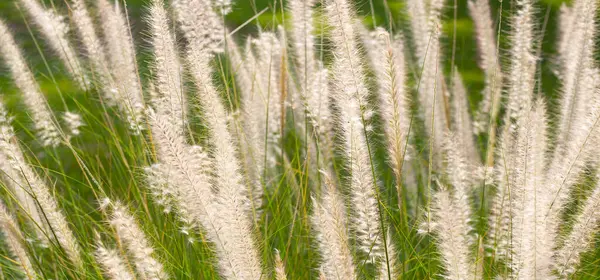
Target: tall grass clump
299 139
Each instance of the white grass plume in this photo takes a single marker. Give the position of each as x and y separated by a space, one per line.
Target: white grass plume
489 62
181 178
200 24
426 24
279 267
73 122
569 161
581 238
43 120
93 47
312 75
531 246
565 25
13 179
252 115
462 125
449 229
237 254
394 98
268 87
53 27
112 263
578 65
167 66
301 12
329 221
388 269
131 235
122 62
521 76
15 241
349 93
60 230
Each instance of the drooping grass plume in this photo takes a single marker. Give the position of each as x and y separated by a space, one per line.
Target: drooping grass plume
35 186
122 61
12 178
55 31
16 242
133 238
349 93
235 246
73 122
200 24
93 47
43 120
112 263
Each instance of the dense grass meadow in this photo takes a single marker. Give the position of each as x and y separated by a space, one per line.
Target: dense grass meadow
299 139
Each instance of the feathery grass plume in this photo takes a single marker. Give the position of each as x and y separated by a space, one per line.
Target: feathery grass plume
521 78
129 232
73 122
93 47
13 179
113 265
349 93
565 25
570 158
46 128
279 267
59 228
167 66
181 177
388 268
15 241
453 229
462 125
581 238
122 62
268 95
394 98
432 95
531 246
521 82
201 26
449 227
578 65
490 63
53 27
500 211
238 257
329 222
301 12
252 144
312 75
